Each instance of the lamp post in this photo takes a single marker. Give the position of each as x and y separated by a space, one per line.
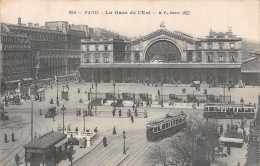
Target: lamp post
57 80
114 84
84 116
96 100
63 110
32 98
162 95
124 152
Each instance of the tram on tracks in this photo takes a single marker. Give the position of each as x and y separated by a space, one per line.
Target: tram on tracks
224 111
165 127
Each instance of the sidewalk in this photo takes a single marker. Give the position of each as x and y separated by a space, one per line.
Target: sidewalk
80 152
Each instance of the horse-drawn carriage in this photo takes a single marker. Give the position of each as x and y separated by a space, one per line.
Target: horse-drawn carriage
50 112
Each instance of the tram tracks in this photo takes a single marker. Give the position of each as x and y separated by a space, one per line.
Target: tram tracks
107 153
9 158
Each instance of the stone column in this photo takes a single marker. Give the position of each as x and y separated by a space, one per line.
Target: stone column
181 75
227 75
133 76
111 75
92 75
101 75
161 75
124 71
216 75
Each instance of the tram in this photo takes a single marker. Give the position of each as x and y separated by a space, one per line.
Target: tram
165 127
224 111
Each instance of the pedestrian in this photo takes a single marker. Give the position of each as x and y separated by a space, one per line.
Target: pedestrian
244 132
95 130
132 118
76 129
12 135
133 107
114 111
53 117
17 159
221 129
128 113
228 149
51 86
145 114
136 112
79 112
5 138
105 142
119 112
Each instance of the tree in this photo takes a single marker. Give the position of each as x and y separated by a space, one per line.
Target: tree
195 145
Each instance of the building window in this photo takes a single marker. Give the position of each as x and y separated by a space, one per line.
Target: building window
189 57
209 56
106 60
97 58
210 45
106 47
221 45
96 47
198 57
232 57
232 45
221 56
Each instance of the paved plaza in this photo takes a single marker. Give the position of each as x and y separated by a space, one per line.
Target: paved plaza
137 146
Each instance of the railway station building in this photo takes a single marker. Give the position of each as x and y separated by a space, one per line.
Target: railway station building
163 56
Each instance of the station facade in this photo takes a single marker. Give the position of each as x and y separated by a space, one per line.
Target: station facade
163 56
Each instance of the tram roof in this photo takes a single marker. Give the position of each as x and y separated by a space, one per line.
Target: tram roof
228 105
166 118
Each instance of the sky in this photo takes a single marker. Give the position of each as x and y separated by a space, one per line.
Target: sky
242 15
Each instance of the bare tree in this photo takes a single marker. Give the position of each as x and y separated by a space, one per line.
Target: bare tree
194 146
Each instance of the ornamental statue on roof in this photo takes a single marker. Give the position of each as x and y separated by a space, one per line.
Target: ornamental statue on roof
162 25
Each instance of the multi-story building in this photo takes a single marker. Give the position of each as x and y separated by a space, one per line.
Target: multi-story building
101 51
15 53
54 48
165 56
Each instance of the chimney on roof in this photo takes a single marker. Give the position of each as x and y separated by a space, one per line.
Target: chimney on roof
19 21
30 24
36 25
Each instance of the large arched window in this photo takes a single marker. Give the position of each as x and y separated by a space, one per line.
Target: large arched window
163 51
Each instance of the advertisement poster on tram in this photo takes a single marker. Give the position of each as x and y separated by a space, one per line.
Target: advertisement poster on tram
127 82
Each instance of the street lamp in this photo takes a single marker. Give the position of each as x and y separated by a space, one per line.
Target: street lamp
114 84
124 152
84 116
162 94
96 100
63 110
57 80
32 98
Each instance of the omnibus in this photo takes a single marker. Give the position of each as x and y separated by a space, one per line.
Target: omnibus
226 111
